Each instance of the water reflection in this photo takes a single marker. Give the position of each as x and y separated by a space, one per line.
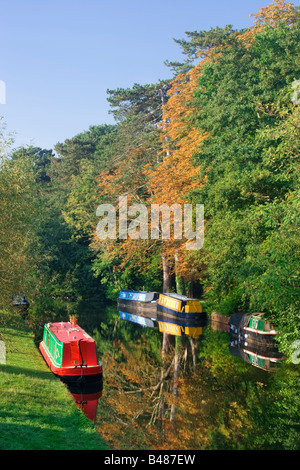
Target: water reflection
139 319
268 359
251 347
193 329
167 388
86 398
166 324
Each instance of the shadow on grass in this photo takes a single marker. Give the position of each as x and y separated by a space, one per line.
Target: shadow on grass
47 437
45 375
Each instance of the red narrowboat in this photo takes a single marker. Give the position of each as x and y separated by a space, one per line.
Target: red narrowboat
70 353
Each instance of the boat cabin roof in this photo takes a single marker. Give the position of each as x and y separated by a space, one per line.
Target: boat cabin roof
178 296
257 315
66 333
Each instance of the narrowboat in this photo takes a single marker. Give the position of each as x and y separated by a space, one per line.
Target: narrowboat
181 306
139 319
139 296
252 328
21 304
138 301
70 353
20 301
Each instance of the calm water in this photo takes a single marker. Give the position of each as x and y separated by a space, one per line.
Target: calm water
204 389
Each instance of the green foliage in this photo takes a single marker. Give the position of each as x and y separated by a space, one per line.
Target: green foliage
20 215
250 162
197 45
249 183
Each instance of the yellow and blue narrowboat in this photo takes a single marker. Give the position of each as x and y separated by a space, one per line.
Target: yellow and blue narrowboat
180 305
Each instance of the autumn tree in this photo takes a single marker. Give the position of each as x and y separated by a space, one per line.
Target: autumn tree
138 145
248 170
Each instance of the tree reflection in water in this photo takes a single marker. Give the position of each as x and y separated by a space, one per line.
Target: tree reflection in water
163 391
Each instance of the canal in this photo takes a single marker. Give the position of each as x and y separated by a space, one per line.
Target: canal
193 388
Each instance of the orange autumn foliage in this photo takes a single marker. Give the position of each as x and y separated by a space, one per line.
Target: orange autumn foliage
172 180
176 173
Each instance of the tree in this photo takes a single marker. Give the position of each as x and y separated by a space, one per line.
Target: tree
20 215
137 146
248 169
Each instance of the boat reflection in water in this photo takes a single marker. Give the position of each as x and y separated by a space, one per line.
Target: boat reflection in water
257 355
174 325
140 319
86 398
173 313
252 339
178 327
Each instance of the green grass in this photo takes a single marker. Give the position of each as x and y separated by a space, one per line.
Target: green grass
36 410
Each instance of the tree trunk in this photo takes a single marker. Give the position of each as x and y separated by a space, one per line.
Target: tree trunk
167 280
180 284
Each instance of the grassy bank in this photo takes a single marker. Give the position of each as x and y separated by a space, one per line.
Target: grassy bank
36 410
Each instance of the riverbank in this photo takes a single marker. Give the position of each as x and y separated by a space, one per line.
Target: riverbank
36 410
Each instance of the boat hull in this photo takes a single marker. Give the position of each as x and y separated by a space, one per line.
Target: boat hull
175 313
74 375
137 306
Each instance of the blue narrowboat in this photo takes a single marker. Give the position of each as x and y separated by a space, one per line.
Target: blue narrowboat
138 296
138 301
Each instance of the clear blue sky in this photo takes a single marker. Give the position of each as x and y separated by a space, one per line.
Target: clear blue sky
59 57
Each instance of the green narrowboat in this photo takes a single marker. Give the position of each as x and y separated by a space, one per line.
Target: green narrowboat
252 327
